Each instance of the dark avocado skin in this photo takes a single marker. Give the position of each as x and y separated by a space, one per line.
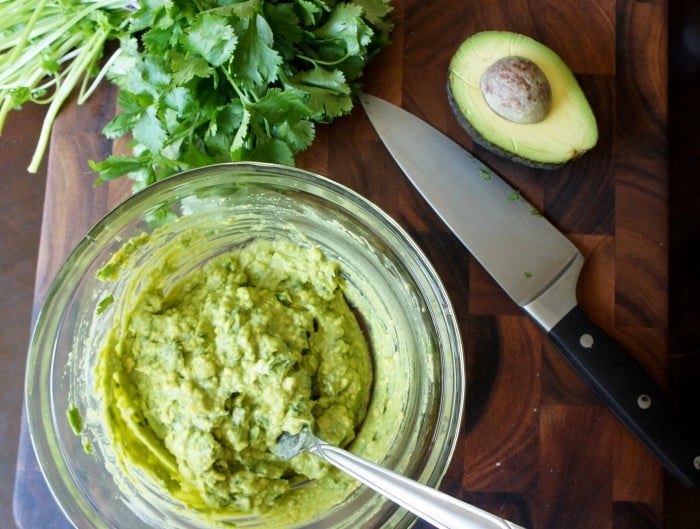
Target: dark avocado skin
480 140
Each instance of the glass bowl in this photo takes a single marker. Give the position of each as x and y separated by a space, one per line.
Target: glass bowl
406 314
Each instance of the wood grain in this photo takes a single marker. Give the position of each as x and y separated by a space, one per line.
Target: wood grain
537 445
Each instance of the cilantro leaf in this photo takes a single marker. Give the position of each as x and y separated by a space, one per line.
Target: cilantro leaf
285 25
239 140
282 106
329 94
298 135
180 99
242 8
256 61
116 166
120 125
274 150
347 26
211 38
375 11
149 131
187 67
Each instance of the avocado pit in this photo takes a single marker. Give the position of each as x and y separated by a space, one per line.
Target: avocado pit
517 89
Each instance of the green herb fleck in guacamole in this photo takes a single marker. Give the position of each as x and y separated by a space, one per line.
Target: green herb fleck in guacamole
200 379
75 419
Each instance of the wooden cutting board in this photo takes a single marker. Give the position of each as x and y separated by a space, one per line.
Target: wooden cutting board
537 446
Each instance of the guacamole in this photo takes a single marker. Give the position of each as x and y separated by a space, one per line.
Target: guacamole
200 378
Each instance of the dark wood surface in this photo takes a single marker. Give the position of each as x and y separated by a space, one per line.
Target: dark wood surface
537 446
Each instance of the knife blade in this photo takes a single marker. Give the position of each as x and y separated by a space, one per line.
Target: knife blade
538 267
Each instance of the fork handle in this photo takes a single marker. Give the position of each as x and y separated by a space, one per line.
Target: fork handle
439 509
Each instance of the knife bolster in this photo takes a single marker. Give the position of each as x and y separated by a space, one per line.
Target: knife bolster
557 300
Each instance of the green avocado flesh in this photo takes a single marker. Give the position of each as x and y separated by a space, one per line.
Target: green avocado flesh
202 378
567 130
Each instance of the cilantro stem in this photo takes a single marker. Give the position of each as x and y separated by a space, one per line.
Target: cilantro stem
86 93
25 35
316 62
65 52
90 51
240 93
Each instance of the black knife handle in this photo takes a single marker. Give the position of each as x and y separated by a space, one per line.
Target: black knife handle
629 391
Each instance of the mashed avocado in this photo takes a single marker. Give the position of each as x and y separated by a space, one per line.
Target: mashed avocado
200 378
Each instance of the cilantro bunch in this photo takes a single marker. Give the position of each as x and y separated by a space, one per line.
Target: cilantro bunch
222 80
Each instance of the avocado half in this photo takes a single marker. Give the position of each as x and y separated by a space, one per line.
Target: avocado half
568 128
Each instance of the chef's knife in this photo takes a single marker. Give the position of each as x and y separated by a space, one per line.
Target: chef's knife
539 268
